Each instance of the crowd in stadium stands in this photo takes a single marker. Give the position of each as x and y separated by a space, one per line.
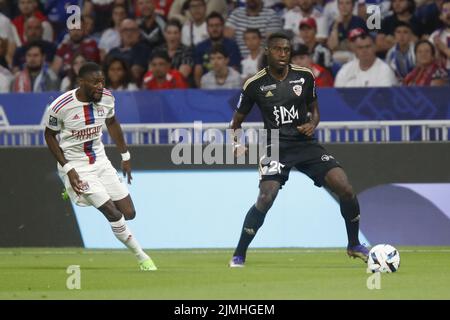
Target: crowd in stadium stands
213 44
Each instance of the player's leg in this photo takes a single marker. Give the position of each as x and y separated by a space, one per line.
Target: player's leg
337 181
124 234
254 219
126 206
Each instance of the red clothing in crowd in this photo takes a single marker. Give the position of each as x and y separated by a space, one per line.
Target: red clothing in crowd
323 76
87 48
422 76
19 22
162 7
174 80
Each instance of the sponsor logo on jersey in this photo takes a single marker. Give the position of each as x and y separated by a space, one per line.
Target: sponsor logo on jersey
268 88
297 89
284 115
76 117
53 121
87 133
301 81
269 94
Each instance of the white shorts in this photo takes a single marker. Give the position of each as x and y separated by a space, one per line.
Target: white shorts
101 183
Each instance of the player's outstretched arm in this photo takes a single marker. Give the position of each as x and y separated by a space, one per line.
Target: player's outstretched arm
53 145
115 131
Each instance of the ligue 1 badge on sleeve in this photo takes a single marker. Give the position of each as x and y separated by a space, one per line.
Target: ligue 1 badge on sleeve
297 89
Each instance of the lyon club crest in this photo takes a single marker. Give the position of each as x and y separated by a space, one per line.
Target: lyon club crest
100 112
297 89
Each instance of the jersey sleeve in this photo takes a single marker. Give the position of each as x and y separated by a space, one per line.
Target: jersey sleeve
109 101
246 100
53 120
311 94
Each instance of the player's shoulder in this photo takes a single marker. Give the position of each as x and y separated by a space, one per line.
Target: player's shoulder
61 102
255 79
302 70
107 98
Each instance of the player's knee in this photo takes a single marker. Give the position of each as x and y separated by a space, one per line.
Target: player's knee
346 192
265 201
129 214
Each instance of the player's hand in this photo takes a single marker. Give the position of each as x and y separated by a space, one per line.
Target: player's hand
75 182
239 150
126 170
307 129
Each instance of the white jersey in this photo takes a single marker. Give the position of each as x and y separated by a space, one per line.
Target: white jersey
80 125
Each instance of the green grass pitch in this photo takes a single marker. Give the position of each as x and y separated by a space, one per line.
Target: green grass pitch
278 274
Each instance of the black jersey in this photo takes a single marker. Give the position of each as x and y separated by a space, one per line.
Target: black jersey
283 104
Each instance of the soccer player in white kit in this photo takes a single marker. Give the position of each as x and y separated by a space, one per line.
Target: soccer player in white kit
90 179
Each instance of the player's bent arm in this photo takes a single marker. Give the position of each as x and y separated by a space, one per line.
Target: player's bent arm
53 145
237 120
115 131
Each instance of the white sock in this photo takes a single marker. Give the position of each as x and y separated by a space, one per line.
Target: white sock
123 233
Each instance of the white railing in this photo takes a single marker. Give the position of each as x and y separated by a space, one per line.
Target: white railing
339 132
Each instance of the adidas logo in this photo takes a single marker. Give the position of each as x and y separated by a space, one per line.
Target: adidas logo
76 117
269 94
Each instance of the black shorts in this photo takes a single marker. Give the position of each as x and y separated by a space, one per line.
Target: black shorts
308 157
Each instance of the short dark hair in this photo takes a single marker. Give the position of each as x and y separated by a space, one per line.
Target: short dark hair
159 53
278 35
88 68
255 31
213 15
403 24
219 48
174 23
34 44
433 50
300 50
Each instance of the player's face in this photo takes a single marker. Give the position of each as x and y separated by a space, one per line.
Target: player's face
278 53
92 85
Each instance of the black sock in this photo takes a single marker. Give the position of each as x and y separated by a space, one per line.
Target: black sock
253 221
350 212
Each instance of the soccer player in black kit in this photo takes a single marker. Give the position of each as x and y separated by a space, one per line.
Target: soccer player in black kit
285 94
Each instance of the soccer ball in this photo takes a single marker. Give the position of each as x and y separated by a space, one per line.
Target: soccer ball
383 258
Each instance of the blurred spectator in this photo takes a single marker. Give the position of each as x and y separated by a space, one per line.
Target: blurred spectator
3 52
403 10
401 57
111 37
215 26
89 29
305 10
428 15
133 50
56 13
33 33
179 9
5 79
8 32
366 70
161 76
36 76
162 7
441 38
151 24
427 71
320 54
29 8
70 81
361 6
194 30
221 75
250 64
287 5
101 10
117 75
345 22
76 43
179 54
301 57
252 16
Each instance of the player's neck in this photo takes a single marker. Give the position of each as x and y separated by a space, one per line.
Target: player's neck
278 74
80 96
